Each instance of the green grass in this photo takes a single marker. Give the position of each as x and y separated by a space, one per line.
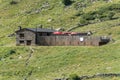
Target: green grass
48 63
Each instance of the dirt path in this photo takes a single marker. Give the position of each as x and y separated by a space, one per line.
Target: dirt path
27 63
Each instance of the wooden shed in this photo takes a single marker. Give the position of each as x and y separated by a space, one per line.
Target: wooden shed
72 41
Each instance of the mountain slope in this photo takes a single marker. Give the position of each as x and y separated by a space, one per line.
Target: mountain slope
48 63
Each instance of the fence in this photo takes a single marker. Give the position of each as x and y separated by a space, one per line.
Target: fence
69 41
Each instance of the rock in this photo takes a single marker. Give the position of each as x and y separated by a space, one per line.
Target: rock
49 20
20 57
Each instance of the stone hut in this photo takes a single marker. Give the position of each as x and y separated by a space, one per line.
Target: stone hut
29 36
46 37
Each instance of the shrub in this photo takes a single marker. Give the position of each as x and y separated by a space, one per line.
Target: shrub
104 13
101 16
83 21
106 16
88 16
13 2
110 15
79 13
100 11
11 52
66 2
114 7
74 77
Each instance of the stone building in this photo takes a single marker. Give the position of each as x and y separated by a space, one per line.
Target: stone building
46 37
29 36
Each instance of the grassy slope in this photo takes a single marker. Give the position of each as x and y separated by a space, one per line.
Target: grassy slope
48 63
24 14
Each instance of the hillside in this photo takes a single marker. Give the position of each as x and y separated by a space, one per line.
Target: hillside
102 17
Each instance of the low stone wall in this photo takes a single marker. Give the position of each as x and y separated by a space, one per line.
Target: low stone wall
95 76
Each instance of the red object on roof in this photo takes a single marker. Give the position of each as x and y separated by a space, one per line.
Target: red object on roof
57 32
66 32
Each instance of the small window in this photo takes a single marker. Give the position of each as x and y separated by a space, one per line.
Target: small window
21 42
21 35
40 34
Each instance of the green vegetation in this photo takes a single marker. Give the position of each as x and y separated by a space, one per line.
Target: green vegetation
67 2
102 14
49 63
74 77
13 2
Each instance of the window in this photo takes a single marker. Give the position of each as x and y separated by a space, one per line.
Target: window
22 42
21 35
28 42
40 34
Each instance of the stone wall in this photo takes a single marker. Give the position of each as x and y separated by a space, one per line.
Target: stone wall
28 36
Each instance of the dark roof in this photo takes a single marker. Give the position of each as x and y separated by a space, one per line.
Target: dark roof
38 30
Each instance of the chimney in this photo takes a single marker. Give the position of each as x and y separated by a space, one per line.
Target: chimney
19 27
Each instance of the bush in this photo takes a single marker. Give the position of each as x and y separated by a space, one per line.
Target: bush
79 13
11 52
106 16
102 14
89 16
110 15
114 7
100 11
66 2
74 77
83 21
13 2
